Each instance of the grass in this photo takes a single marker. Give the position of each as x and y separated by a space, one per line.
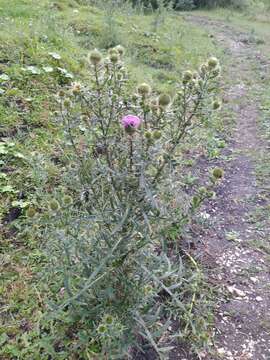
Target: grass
254 21
43 47
260 218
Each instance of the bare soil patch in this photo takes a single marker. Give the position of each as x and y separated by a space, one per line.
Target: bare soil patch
242 272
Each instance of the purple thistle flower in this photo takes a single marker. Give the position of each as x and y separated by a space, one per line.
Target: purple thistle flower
131 122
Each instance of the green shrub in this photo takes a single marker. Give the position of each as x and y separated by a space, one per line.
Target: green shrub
108 232
183 5
238 4
190 4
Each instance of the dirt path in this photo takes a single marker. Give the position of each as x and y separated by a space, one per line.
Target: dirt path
242 327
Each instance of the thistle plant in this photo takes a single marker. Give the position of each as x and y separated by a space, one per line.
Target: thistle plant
105 235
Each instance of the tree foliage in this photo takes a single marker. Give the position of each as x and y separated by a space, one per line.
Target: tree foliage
190 4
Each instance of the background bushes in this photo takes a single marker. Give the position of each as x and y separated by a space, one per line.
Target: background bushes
191 4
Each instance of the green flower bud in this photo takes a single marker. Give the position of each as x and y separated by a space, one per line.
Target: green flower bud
54 205
144 89
67 200
95 57
195 201
212 62
108 319
187 76
218 173
120 50
114 58
202 191
76 89
31 212
113 51
216 105
148 135
67 103
157 134
102 329
164 100
203 69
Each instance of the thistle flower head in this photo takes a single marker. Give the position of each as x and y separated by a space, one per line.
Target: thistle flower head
144 89
203 69
114 57
187 76
31 212
61 93
108 319
54 205
112 51
212 62
217 173
131 123
164 100
76 88
67 103
120 50
67 200
156 134
202 190
95 57
102 329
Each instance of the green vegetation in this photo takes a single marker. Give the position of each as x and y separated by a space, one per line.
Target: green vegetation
44 49
253 20
52 155
199 4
